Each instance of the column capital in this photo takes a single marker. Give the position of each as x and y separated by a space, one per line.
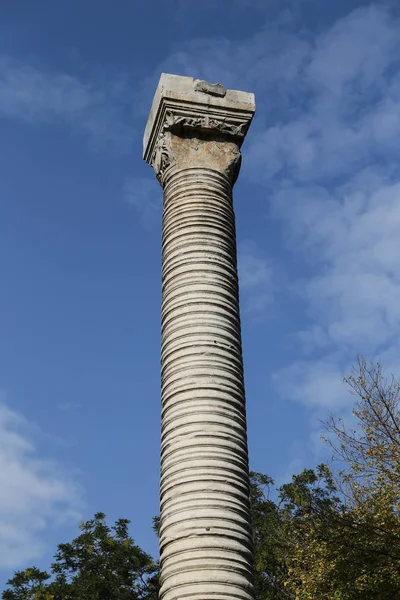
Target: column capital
191 109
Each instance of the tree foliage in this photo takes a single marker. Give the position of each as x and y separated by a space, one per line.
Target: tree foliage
102 562
350 549
270 570
338 537
31 584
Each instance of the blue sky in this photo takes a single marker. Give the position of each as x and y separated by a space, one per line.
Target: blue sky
318 223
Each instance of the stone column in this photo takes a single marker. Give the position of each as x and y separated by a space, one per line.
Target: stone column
192 141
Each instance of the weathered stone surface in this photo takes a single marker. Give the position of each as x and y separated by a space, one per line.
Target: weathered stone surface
183 108
214 89
193 140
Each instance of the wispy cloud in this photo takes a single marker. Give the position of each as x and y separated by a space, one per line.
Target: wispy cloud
316 384
99 110
34 493
255 280
145 196
334 180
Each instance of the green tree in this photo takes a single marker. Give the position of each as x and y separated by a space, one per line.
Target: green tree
31 584
345 543
270 569
101 563
311 510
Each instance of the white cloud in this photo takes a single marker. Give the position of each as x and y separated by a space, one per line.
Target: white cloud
146 197
34 493
315 384
352 238
255 280
344 109
354 52
333 177
318 385
99 110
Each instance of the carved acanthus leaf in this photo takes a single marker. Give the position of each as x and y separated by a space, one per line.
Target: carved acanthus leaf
161 156
175 123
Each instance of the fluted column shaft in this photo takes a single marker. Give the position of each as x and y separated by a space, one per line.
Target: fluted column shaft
205 536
